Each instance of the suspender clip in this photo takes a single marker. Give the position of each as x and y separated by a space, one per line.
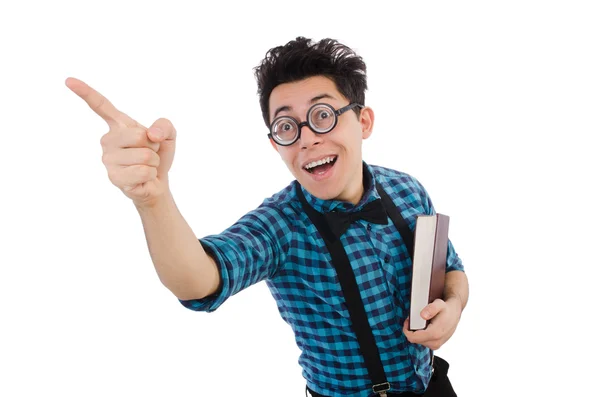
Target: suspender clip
381 388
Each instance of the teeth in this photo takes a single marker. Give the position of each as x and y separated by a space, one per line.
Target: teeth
319 162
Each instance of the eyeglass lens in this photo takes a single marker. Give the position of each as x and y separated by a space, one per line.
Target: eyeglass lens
321 119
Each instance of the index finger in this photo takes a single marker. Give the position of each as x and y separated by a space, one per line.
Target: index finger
98 103
417 336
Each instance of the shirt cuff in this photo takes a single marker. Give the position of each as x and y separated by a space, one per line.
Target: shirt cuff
212 302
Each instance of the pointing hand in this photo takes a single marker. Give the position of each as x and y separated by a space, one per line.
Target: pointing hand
137 158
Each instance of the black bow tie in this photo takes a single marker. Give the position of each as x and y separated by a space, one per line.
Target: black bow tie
373 212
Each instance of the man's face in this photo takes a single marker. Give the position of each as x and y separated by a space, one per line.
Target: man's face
342 178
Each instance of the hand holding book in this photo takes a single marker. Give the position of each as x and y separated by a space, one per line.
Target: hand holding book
432 320
443 317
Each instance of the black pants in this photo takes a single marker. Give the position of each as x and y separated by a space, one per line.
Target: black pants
439 386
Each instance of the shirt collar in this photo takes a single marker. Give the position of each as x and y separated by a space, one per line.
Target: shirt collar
370 194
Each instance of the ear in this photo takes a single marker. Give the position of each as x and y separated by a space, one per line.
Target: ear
367 118
274 145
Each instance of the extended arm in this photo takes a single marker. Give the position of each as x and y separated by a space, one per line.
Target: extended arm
179 259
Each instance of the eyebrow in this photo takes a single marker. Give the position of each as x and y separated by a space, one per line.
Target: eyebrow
287 108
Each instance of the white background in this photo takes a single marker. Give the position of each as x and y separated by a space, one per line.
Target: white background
494 107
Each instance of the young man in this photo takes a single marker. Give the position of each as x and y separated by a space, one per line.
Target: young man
335 228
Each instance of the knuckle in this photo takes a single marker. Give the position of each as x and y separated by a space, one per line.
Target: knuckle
131 137
104 140
99 104
140 137
105 158
145 172
112 175
153 158
154 146
146 155
129 123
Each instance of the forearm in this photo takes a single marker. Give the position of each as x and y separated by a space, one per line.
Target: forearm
179 259
457 287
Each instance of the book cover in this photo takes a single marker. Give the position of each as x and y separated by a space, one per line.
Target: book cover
429 265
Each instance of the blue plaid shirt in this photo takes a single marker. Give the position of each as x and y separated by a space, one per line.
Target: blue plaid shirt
277 243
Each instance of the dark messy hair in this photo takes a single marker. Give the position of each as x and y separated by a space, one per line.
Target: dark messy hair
303 58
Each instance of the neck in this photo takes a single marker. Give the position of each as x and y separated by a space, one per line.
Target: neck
356 189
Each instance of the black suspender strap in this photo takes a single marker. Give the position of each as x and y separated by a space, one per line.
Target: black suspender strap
356 309
407 235
399 222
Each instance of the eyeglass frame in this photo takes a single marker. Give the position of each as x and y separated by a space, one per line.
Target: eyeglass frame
299 126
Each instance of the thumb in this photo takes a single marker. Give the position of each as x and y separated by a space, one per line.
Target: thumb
432 309
162 131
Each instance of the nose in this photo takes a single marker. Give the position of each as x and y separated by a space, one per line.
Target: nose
308 137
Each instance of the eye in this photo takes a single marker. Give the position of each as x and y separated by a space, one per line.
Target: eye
322 118
284 130
323 115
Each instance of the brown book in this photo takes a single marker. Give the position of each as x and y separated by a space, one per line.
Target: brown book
429 265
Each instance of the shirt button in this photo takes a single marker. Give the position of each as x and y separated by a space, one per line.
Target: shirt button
387 259
369 227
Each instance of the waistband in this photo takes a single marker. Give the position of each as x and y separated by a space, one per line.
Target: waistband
440 368
405 394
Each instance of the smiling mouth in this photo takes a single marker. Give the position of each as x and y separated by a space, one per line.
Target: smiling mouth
321 166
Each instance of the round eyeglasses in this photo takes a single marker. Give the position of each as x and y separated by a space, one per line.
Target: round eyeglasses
321 118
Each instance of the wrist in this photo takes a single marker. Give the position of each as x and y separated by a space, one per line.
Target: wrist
154 204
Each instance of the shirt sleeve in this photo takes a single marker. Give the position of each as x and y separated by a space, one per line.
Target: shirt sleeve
249 251
453 261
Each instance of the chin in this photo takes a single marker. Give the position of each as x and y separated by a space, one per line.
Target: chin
323 191
323 194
